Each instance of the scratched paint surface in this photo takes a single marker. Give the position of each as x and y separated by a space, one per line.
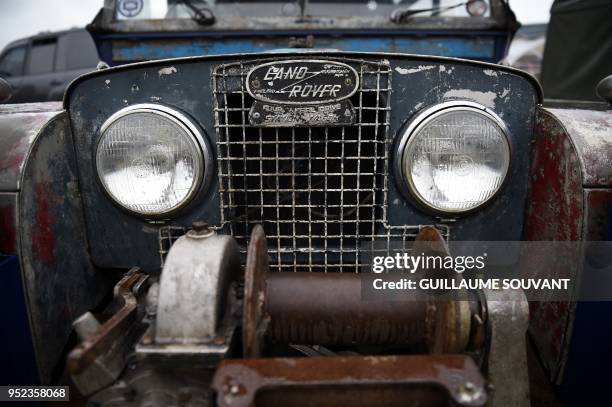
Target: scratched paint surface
573 151
60 281
555 213
591 133
43 242
19 125
417 82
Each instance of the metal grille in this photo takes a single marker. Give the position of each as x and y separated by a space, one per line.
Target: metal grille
319 192
166 236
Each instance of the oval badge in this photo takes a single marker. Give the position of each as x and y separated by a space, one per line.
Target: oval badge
302 82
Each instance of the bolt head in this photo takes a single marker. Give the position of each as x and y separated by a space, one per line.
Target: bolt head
199 226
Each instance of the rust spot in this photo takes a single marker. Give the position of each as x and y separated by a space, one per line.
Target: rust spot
554 213
11 161
43 242
555 195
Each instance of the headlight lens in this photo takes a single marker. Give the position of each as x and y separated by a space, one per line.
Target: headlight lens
149 159
456 158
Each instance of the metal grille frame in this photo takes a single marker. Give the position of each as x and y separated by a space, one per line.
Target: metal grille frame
319 192
166 236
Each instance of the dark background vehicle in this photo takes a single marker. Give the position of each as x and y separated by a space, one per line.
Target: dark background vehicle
576 59
39 68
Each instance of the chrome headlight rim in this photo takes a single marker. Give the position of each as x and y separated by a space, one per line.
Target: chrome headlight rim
422 118
197 135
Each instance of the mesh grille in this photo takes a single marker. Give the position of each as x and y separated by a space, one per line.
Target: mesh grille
166 236
319 192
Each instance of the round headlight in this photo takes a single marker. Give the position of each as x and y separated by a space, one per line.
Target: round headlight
151 159
455 156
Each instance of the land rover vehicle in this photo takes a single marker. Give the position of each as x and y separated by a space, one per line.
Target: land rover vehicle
227 204
39 68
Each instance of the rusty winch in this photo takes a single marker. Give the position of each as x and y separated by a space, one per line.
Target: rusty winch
300 338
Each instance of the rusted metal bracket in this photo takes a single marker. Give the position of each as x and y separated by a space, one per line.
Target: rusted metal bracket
350 381
254 319
98 360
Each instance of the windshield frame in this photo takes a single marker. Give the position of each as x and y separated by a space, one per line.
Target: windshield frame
501 18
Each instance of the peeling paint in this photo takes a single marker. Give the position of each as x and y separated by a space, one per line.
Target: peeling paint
446 69
490 72
554 213
19 127
166 71
485 98
420 68
591 132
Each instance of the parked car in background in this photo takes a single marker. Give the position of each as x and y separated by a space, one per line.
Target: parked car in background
39 68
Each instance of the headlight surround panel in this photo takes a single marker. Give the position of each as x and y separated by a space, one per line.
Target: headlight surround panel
118 238
453 157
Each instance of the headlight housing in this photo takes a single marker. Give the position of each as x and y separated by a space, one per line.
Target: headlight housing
454 157
151 159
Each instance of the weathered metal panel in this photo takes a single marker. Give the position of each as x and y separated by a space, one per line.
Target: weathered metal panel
8 223
19 125
186 85
556 179
554 213
585 382
591 133
60 282
598 218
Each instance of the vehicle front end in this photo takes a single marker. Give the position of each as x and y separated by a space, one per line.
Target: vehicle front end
202 230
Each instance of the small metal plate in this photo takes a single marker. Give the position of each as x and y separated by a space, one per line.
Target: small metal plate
299 82
340 113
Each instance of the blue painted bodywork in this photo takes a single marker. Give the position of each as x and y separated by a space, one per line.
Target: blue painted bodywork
589 358
122 48
17 349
